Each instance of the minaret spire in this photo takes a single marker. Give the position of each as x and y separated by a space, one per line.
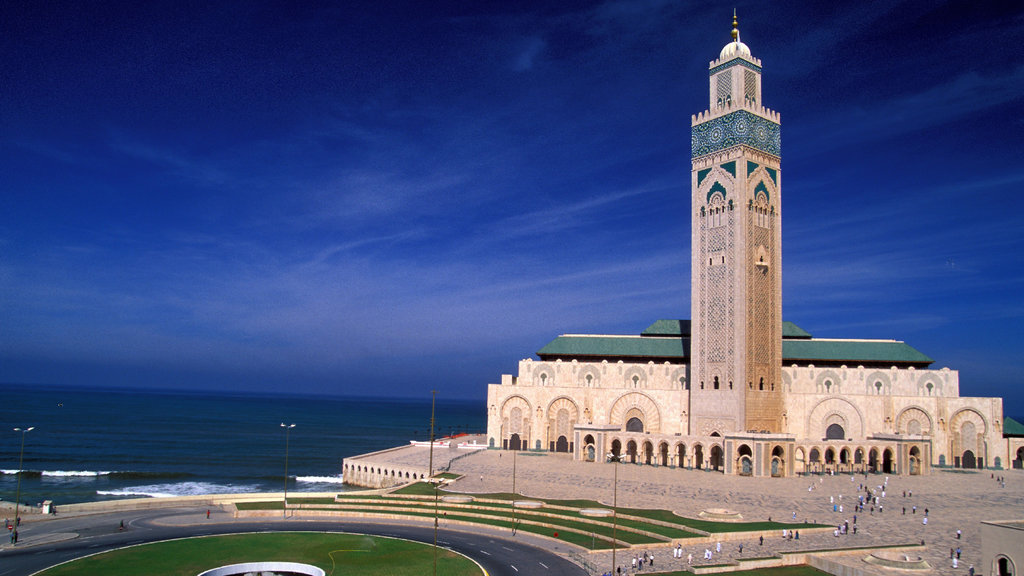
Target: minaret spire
735 27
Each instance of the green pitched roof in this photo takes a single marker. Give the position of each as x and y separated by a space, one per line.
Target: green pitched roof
669 340
668 328
617 346
852 351
1012 428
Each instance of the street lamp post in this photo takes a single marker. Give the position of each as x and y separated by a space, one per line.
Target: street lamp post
430 471
17 497
614 459
287 429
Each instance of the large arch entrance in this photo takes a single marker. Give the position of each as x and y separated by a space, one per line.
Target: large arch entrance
717 458
631 451
745 460
698 457
1018 463
514 442
562 444
778 462
968 460
617 449
915 461
887 461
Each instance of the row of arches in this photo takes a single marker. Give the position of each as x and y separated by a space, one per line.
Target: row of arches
361 475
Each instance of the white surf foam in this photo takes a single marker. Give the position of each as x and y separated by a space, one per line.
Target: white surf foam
73 473
320 479
179 489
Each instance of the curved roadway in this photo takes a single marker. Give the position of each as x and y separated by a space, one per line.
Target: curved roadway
45 543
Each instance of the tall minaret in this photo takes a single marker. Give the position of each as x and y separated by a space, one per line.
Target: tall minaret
736 272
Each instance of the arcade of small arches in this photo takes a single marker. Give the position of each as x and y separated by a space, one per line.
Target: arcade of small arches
376 475
842 448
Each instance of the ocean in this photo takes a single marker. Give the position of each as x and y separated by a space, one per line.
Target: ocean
94 444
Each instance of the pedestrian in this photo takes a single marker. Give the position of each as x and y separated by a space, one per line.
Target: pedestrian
904 510
955 562
689 558
970 570
207 513
761 540
924 521
741 548
797 534
122 526
650 560
925 511
913 509
718 547
958 552
957 533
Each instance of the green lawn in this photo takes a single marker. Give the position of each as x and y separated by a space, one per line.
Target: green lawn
334 553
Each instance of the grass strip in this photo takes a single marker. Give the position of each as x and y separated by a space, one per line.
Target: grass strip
355 553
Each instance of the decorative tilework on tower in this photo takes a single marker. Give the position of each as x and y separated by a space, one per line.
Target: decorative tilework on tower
736 343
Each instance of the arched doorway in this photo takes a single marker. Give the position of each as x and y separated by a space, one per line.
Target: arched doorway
634 425
1004 566
648 452
515 442
887 461
745 461
717 459
616 449
631 451
915 461
873 460
968 460
778 461
698 457
663 453
681 455
1019 462
814 458
562 444
858 459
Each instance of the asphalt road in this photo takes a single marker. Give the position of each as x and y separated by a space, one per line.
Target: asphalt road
49 542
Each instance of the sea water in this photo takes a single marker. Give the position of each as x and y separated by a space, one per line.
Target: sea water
97 444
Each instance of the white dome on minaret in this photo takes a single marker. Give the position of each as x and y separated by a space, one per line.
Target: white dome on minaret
734 48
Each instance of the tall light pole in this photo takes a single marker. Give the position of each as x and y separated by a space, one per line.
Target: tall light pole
615 505
17 498
287 429
430 471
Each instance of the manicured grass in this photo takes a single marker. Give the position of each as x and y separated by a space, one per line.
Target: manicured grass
424 489
334 553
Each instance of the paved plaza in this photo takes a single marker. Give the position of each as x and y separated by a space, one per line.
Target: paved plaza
954 500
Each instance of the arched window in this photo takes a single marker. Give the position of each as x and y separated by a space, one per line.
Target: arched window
716 382
634 425
835 432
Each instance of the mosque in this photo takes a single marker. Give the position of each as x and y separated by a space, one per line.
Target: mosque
736 389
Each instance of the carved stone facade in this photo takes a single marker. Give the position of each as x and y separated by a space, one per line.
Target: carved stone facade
736 389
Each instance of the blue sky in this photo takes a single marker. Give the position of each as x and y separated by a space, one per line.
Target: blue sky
387 198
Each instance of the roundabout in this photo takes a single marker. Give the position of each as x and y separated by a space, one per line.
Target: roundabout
56 540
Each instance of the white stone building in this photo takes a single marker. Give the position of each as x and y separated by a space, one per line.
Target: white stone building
736 389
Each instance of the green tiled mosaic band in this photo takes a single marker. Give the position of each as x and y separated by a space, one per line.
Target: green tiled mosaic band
740 127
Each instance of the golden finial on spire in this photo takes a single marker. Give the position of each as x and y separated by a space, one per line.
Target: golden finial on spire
735 29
